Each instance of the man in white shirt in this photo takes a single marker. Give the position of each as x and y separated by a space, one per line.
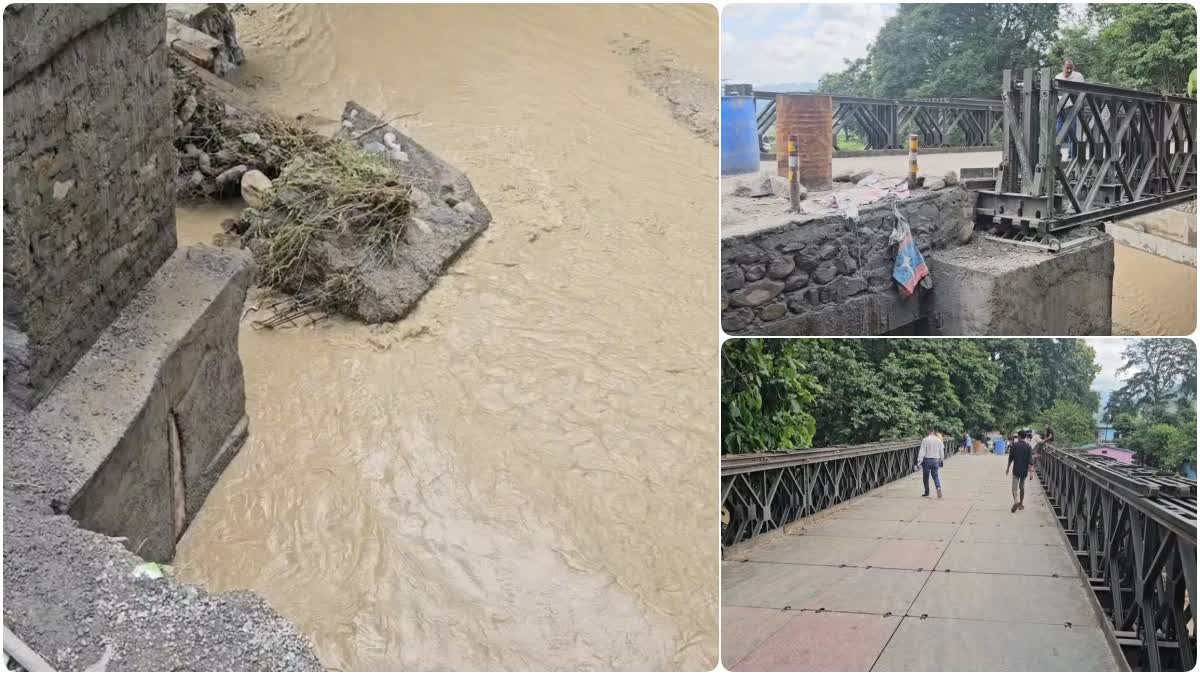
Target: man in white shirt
930 458
1069 73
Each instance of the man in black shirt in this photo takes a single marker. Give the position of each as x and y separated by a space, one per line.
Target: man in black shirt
1019 457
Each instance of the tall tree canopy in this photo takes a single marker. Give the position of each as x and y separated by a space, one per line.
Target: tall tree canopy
1142 46
930 50
1154 411
864 390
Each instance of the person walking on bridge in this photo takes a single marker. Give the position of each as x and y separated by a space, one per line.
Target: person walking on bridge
1019 458
930 459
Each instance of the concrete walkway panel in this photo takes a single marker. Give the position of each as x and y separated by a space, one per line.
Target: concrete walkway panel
882 513
928 531
824 642
815 550
1005 597
944 512
943 645
1006 517
907 554
1008 559
875 590
744 628
1010 534
776 585
844 527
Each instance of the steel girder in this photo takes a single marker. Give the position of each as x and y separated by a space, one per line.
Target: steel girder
1133 152
765 491
885 123
1133 530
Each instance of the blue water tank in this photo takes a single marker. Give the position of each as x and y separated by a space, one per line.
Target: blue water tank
739 135
999 446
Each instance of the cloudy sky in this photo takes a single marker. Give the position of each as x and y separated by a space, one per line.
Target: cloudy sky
767 44
1108 355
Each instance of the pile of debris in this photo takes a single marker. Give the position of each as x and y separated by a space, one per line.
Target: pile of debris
205 34
360 224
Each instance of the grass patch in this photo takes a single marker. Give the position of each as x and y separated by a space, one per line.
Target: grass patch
341 195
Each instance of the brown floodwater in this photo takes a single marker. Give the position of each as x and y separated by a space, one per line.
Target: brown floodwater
522 474
1153 295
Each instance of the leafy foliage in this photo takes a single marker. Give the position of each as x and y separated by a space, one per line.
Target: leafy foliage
962 49
1154 412
765 396
796 393
1073 424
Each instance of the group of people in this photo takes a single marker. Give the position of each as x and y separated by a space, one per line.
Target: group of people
1023 453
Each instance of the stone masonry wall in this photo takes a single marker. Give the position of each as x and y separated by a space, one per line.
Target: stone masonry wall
88 179
831 276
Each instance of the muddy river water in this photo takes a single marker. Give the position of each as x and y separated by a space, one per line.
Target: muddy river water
522 473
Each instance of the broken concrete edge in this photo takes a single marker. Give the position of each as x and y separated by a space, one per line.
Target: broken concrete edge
100 447
829 275
990 288
34 33
106 418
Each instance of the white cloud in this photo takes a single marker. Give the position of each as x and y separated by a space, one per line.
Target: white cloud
800 43
1108 355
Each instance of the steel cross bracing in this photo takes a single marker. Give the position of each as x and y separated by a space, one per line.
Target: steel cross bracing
1127 152
1134 532
885 123
763 491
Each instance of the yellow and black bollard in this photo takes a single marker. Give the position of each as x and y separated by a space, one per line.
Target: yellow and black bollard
912 161
794 170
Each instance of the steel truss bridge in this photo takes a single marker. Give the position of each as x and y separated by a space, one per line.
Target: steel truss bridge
1133 530
1129 152
764 491
884 123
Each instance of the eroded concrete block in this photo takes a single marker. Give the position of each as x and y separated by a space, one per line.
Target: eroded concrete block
988 288
165 373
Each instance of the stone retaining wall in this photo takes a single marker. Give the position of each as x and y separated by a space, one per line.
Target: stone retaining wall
88 177
830 276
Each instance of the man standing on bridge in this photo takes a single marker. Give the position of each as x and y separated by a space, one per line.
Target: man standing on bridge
1019 458
930 457
1069 73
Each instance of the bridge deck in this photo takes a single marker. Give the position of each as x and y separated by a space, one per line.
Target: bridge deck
895 582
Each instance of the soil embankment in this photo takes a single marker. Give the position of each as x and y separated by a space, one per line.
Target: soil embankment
503 479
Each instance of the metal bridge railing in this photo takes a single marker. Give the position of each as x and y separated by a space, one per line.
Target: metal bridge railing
765 491
1134 533
1128 152
885 123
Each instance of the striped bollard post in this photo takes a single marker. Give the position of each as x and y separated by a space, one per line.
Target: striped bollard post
794 170
912 161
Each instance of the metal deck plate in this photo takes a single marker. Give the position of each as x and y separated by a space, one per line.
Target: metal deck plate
744 628
1008 559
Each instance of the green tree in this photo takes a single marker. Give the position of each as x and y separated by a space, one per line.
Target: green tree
855 80
1162 375
1073 424
1151 46
765 397
1163 446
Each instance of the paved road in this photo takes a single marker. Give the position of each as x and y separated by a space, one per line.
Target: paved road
895 582
933 165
